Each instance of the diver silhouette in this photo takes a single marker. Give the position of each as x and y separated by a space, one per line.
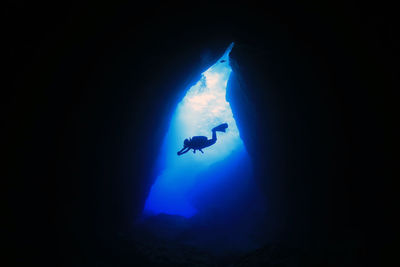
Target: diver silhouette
200 142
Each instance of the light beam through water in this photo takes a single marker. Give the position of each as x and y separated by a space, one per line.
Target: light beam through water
203 107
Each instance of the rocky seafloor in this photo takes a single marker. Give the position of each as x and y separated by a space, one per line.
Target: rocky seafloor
168 240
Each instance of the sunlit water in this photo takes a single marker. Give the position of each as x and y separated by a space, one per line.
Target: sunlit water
183 182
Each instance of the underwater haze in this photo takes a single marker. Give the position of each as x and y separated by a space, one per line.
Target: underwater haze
195 182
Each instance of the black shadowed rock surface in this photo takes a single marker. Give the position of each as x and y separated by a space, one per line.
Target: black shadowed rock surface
92 89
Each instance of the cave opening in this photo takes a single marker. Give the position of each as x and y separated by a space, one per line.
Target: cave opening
209 184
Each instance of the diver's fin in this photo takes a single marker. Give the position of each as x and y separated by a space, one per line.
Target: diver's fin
221 127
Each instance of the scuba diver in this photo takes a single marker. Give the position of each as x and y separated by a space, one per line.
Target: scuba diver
200 142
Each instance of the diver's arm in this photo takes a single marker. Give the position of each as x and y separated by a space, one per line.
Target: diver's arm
183 151
201 151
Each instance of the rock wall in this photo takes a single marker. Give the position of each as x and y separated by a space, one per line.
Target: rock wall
92 87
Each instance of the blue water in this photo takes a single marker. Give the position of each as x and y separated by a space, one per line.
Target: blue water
191 182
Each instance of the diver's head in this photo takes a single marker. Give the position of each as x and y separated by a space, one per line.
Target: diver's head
186 143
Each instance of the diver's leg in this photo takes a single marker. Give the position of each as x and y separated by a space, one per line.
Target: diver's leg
201 151
221 128
214 130
213 140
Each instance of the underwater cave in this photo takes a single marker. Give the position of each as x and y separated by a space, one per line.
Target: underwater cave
103 97
183 179
214 187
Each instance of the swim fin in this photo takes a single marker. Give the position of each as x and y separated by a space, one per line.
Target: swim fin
221 128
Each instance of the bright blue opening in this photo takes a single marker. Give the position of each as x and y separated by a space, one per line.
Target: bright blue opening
180 178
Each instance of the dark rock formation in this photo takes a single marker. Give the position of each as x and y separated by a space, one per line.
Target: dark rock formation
92 87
